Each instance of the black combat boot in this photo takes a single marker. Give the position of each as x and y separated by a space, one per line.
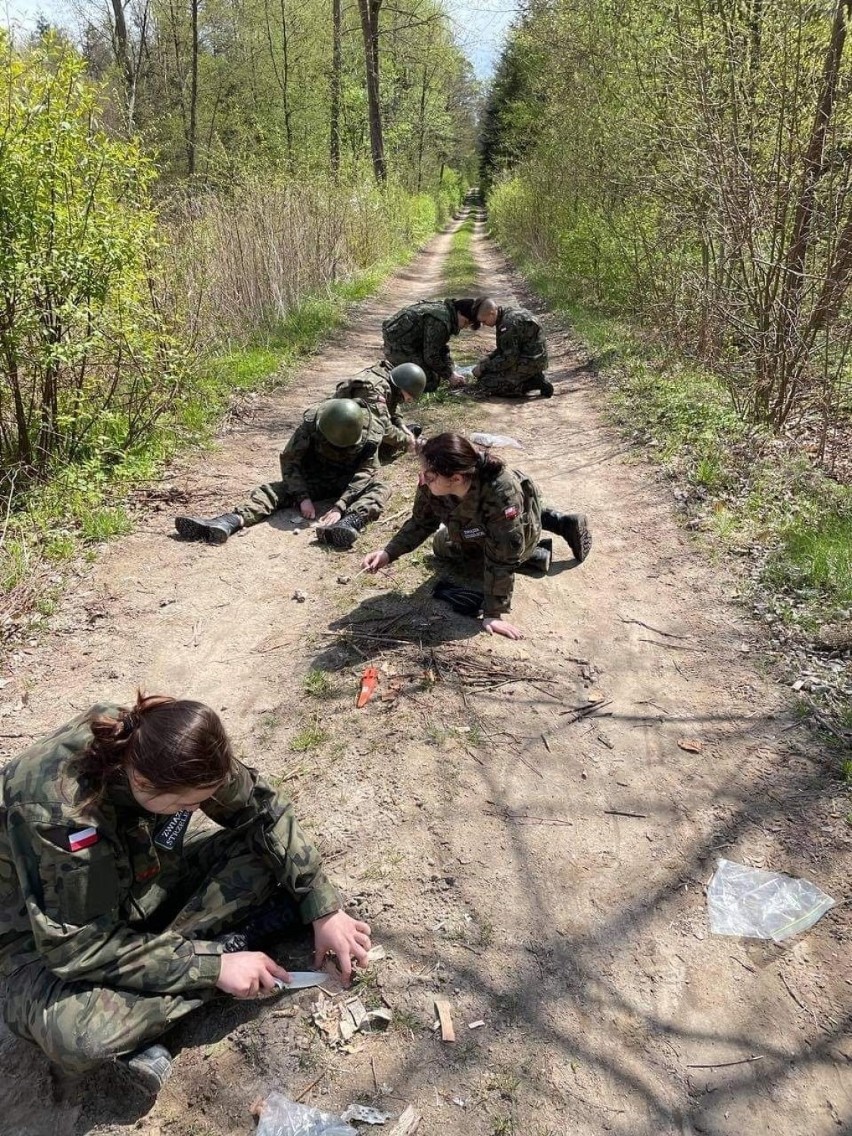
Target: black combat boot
540 384
343 533
150 1067
571 527
269 921
215 531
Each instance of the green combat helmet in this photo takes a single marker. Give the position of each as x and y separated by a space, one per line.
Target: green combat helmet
341 422
410 378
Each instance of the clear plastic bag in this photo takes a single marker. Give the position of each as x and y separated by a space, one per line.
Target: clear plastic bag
283 1117
488 441
762 905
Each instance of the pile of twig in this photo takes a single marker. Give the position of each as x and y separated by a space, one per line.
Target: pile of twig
478 673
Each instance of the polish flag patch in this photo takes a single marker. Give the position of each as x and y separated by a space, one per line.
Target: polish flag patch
511 512
82 839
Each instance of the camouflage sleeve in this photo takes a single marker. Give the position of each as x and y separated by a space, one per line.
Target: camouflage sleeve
291 458
436 352
270 823
504 546
419 526
72 902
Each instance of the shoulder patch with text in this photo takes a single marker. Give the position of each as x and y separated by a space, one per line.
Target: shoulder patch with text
170 833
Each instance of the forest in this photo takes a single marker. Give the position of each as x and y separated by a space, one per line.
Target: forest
189 195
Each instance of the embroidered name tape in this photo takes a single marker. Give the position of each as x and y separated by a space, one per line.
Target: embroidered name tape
170 834
472 534
82 839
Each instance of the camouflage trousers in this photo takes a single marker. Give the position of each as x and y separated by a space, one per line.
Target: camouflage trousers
78 1025
268 499
449 544
507 384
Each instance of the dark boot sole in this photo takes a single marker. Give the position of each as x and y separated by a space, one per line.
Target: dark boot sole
342 537
546 390
578 537
191 529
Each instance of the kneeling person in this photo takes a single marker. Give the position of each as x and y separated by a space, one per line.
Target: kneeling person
385 389
519 361
482 511
333 455
116 918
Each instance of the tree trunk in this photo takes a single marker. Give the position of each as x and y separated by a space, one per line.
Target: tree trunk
124 58
191 141
334 141
370 28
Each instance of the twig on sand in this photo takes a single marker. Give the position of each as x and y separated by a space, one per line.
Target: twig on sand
648 627
619 813
311 1086
728 1064
671 646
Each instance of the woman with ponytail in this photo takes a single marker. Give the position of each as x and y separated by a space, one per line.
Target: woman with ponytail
117 918
480 510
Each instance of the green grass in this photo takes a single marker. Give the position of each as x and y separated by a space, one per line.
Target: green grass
460 269
753 493
318 684
309 737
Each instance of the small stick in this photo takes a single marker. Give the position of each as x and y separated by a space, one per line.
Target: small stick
728 1064
671 646
656 630
375 1079
546 743
743 964
312 1085
619 813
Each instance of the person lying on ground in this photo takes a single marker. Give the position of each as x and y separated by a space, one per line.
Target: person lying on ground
421 334
485 516
385 389
333 455
115 921
518 363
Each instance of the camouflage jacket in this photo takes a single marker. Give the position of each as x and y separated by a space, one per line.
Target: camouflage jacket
501 516
73 877
374 387
421 334
310 458
520 342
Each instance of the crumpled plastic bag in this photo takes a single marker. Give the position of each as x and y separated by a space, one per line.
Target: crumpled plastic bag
490 441
283 1117
762 905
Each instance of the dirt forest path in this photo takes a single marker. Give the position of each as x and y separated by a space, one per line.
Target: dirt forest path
542 872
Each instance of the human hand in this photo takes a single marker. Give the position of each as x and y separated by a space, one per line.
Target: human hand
245 974
330 518
306 508
345 938
373 561
457 380
502 627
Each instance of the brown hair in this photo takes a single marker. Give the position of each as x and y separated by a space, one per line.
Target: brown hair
172 743
449 454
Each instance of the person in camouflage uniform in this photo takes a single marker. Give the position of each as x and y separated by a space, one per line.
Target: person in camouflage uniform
112 914
385 390
484 514
332 455
421 334
519 361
